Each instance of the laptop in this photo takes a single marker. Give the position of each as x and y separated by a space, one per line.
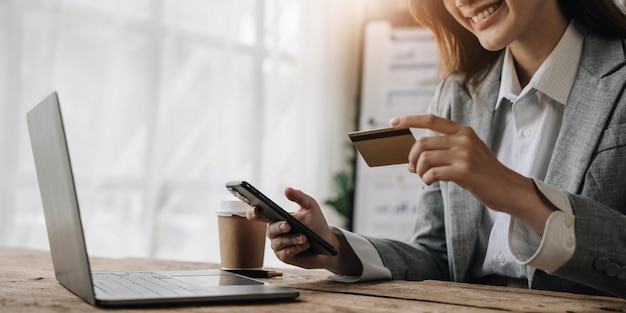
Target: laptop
67 241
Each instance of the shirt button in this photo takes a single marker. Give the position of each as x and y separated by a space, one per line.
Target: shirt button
569 241
569 222
501 259
527 132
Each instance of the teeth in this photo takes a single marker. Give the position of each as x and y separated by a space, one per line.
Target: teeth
484 14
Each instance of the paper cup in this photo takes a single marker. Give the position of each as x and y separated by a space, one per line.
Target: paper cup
242 242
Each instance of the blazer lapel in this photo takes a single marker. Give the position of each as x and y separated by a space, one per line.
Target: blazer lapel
465 213
588 108
586 113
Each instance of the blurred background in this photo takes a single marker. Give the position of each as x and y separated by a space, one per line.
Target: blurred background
166 100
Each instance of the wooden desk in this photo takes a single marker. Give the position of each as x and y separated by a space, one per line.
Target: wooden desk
27 284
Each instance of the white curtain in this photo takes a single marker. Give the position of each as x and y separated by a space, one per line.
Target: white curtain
166 100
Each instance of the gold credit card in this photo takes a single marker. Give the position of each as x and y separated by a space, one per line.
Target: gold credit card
385 146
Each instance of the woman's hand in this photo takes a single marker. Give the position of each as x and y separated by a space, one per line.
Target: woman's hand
291 248
460 156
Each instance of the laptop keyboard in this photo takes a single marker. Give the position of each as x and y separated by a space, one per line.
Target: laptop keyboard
142 284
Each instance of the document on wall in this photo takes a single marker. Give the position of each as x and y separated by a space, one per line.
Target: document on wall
399 78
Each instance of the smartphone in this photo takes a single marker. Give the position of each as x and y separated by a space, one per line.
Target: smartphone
270 210
385 146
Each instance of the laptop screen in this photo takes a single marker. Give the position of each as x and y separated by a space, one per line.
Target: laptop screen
56 185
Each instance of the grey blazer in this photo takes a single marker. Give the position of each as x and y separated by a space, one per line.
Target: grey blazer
588 163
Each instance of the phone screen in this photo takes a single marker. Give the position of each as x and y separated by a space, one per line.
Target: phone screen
270 210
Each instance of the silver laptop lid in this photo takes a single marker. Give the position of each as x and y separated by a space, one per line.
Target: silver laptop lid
56 185
67 243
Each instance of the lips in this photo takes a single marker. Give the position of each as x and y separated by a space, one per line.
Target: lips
485 13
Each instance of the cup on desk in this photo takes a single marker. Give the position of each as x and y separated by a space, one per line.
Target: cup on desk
242 242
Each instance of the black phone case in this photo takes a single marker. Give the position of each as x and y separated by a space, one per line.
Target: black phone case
266 207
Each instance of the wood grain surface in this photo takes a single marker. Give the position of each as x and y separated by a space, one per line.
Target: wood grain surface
27 284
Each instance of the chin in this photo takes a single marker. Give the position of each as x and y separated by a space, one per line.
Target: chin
492 45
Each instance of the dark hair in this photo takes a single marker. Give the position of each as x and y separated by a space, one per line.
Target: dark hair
603 17
460 51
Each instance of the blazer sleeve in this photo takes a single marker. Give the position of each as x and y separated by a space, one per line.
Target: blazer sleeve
424 257
599 260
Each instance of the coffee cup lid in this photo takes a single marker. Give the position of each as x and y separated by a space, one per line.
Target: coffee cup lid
232 208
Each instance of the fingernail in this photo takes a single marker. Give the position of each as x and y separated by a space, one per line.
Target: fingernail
251 212
394 121
283 226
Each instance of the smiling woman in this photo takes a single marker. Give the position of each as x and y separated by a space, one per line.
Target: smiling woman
167 100
524 174
461 51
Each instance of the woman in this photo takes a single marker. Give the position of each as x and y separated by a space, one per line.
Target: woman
526 175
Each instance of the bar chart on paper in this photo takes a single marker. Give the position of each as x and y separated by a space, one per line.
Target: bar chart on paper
399 78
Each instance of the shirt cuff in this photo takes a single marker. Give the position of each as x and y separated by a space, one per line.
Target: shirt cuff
555 196
373 267
559 238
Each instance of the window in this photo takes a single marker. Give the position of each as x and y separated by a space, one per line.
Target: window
166 100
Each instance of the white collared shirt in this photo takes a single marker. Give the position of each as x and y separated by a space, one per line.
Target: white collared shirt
527 124
526 130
